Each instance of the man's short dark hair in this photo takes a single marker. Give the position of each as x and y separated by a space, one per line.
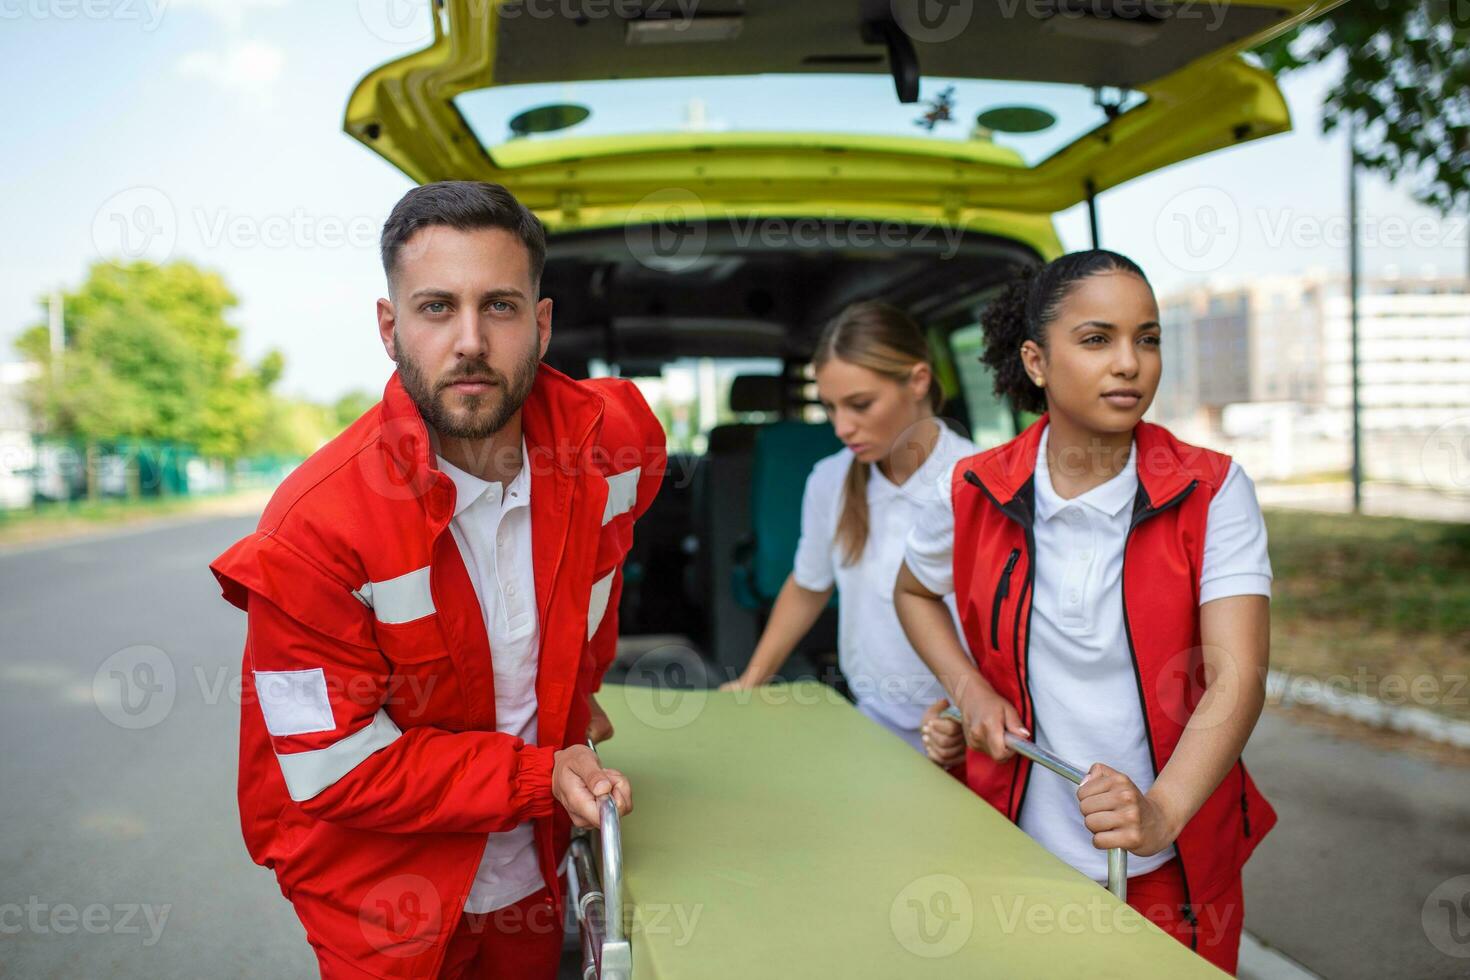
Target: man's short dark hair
464 205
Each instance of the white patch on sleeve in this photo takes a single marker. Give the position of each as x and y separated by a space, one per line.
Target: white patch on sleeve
622 493
294 702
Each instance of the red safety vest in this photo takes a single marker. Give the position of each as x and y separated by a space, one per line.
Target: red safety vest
994 558
370 768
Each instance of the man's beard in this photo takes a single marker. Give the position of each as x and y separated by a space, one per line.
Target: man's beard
482 415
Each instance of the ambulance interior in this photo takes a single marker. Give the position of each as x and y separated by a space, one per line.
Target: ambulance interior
737 323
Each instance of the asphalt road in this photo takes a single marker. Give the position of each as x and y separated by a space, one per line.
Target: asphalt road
120 852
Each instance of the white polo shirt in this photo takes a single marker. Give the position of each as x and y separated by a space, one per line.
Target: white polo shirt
492 527
891 684
1081 674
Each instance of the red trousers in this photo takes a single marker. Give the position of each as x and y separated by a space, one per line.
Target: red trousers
519 942
1215 931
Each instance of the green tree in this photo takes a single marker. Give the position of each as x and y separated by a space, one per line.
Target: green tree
1406 83
150 354
348 408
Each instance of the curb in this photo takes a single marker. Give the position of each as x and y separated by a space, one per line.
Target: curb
1420 722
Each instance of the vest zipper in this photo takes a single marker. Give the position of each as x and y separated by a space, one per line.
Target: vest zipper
1245 806
1021 514
1001 591
1141 514
1028 709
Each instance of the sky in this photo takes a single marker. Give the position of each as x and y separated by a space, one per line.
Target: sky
211 130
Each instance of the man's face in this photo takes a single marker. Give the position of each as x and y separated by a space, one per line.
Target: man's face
465 327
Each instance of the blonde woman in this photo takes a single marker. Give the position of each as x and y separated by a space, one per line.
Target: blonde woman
875 377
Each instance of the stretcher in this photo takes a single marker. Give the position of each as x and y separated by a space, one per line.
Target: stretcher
1117 857
779 832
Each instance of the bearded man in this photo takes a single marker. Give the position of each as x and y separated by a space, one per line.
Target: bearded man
432 601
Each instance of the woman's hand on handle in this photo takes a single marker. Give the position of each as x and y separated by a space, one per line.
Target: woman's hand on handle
988 717
944 737
1120 815
930 629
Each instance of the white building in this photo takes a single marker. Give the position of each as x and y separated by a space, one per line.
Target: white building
1264 366
1413 351
17 449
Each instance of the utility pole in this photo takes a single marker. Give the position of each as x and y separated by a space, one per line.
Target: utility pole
58 329
1353 272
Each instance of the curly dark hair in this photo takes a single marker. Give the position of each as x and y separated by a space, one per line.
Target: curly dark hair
1026 307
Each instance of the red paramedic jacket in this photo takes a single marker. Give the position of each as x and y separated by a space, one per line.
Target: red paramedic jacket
994 547
370 768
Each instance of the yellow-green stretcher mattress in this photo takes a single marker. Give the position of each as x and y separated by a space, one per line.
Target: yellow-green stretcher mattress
780 833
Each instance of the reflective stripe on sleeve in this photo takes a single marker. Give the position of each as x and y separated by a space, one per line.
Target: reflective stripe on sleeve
622 493
399 600
597 603
308 773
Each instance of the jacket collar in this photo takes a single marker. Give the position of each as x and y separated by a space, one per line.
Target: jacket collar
557 418
1163 473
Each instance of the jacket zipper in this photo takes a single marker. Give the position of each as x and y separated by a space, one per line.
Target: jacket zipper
1001 591
1187 911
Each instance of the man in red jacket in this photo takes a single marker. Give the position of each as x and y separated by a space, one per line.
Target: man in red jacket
432 601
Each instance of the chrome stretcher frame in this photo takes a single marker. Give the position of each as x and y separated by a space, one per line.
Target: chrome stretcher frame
597 896
1117 857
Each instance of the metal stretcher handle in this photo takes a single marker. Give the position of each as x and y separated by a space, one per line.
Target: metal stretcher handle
598 899
1117 857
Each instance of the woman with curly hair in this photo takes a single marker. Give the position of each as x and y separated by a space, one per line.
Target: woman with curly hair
1113 584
